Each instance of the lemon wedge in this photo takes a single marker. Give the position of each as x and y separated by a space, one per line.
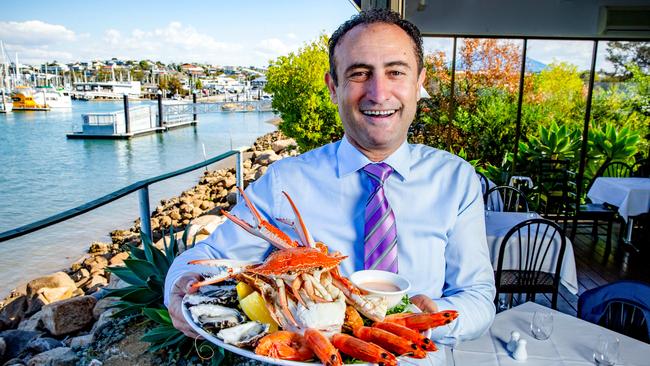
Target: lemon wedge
243 290
254 307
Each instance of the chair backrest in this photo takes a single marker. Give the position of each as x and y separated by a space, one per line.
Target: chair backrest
505 198
536 239
615 169
485 183
552 179
641 168
622 306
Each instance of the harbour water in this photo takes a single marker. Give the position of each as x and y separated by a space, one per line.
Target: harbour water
43 173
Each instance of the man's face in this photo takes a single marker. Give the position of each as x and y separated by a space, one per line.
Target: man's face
378 87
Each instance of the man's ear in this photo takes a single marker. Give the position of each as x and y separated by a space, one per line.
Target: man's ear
421 79
329 80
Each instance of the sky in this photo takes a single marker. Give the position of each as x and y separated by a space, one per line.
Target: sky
220 32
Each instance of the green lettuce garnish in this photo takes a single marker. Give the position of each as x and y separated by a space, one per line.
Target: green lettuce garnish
399 308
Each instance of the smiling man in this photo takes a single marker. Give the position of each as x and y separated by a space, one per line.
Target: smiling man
384 203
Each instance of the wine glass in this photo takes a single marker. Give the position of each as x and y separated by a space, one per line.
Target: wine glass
542 325
607 350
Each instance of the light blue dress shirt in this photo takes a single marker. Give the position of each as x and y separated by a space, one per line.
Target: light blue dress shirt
436 198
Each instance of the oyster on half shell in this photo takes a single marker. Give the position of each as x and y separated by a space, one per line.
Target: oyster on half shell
215 317
244 335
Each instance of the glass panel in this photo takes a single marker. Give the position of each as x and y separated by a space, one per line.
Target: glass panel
620 114
432 118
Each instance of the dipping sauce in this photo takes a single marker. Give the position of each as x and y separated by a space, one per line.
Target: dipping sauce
380 286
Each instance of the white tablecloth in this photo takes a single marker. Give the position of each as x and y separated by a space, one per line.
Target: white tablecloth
497 225
630 195
571 343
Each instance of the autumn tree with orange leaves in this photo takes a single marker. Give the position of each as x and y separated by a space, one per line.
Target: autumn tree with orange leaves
481 63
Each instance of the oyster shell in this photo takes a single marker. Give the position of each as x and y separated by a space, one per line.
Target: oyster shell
225 295
244 335
215 317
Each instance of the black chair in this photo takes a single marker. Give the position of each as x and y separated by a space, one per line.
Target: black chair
485 183
591 213
534 240
552 190
622 306
505 198
641 168
615 169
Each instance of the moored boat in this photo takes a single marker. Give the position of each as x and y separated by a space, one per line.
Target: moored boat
42 98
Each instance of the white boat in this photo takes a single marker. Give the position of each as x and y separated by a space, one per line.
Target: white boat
40 98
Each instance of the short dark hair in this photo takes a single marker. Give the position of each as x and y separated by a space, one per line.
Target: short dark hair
372 16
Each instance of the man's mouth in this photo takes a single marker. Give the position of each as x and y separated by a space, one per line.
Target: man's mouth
379 113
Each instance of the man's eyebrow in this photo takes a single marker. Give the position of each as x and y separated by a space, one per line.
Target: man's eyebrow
361 65
397 63
358 65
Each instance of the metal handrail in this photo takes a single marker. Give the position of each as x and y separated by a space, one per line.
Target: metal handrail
142 186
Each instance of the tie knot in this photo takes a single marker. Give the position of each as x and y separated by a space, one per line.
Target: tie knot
378 171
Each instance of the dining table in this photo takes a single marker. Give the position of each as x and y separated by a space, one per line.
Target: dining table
571 343
497 225
630 194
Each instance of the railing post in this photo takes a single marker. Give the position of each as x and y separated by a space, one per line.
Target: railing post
239 170
160 109
126 113
145 219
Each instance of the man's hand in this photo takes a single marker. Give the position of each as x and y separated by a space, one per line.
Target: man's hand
424 303
181 287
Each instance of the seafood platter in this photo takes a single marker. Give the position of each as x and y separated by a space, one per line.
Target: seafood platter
295 308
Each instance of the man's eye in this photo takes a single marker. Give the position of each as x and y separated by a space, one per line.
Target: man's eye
396 73
359 75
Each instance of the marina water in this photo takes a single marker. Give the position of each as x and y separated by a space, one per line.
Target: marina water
43 173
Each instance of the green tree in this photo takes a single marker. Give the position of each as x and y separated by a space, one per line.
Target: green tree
198 84
621 54
301 97
561 91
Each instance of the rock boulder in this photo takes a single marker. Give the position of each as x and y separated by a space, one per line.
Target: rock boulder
61 356
68 316
13 312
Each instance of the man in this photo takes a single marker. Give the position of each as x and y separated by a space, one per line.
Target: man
437 221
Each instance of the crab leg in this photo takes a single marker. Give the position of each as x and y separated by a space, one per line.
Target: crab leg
372 307
309 288
299 226
295 288
262 228
282 295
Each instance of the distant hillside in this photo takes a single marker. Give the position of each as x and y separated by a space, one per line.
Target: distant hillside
535 66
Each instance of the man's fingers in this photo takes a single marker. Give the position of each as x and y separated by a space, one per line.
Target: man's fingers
181 287
424 303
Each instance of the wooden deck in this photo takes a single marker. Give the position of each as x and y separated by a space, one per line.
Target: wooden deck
595 267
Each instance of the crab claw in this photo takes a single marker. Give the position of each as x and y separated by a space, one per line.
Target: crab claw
226 269
299 226
262 228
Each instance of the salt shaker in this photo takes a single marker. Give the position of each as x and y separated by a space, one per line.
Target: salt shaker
520 353
512 344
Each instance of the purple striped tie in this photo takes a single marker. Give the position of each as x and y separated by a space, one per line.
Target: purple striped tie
380 233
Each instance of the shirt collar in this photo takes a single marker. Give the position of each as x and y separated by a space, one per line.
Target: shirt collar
350 159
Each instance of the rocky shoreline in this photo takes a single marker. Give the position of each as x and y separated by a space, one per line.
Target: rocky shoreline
65 318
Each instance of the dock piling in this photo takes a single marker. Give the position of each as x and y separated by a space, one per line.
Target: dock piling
160 109
126 113
194 106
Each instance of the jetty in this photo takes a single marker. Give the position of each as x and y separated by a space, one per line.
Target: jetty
142 120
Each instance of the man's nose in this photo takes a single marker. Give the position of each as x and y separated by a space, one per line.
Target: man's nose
377 89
